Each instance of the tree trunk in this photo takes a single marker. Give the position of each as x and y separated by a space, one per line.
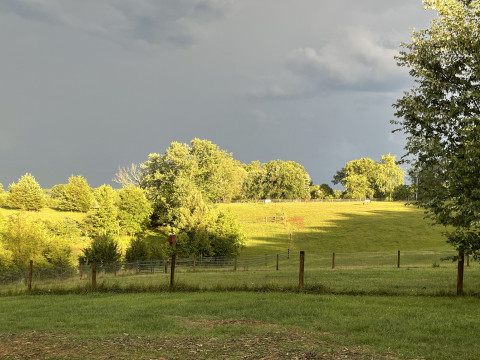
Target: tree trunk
461 263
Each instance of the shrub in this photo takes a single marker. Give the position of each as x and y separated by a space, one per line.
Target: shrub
104 249
23 240
138 250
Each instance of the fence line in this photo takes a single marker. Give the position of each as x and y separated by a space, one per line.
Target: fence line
283 264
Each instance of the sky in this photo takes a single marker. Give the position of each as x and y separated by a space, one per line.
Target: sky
88 86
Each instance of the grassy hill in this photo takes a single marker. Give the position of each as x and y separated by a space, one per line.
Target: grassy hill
320 227
324 227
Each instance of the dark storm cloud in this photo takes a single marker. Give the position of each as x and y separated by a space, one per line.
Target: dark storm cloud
353 59
27 10
90 85
155 22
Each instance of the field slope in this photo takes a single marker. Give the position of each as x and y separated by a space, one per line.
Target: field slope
325 227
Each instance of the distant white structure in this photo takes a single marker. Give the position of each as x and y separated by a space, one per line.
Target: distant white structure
366 201
268 201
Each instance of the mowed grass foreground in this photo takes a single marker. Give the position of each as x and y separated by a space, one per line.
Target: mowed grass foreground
238 325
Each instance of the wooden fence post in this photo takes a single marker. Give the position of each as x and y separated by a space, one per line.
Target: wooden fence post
398 259
302 269
333 260
288 254
194 263
30 275
235 263
94 274
172 270
461 263
468 260
277 260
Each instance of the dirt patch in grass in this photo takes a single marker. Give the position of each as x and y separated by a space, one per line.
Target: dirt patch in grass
297 221
217 322
284 345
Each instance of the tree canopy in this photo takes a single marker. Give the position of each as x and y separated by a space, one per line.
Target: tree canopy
26 194
182 184
440 115
365 178
76 195
134 210
103 218
276 179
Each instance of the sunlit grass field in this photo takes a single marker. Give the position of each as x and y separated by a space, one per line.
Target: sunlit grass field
44 214
325 227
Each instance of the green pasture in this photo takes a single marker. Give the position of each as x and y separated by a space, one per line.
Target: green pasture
325 227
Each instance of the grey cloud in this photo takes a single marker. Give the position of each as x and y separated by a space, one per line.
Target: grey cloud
354 59
30 11
123 21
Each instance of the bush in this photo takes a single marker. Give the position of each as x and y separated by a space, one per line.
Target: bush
58 253
220 235
22 240
138 250
104 249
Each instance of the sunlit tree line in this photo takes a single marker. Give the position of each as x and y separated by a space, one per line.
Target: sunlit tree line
170 193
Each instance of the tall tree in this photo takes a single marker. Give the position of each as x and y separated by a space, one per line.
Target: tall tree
127 176
76 195
26 194
182 183
441 117
134 210
276 179
219 176
365 178
160 173
389 176
3 196
359 180
254 183
286 180
103 217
